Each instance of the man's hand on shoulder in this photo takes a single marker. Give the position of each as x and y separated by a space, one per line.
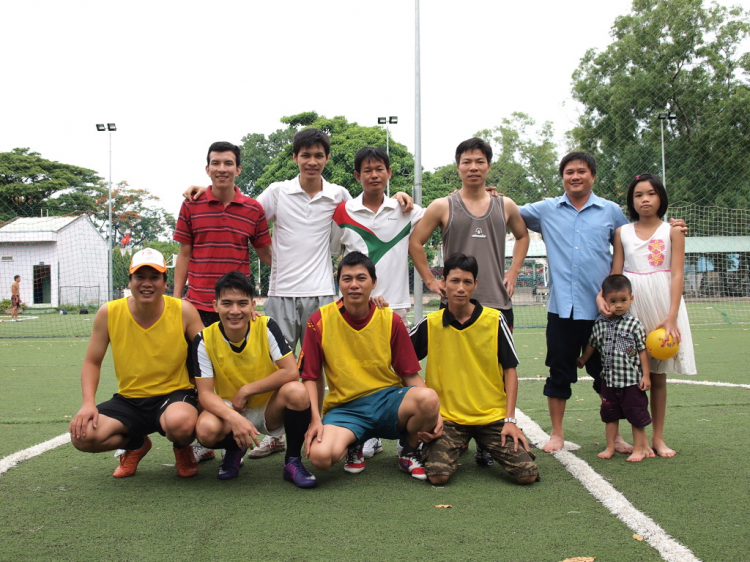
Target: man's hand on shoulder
193 192
679 223
405 200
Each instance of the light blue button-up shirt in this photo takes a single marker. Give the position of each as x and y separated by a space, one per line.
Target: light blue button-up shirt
578 250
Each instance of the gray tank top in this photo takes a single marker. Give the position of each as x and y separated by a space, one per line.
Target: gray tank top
484 238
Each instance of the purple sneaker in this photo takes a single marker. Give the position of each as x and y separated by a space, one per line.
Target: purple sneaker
231 463
295 471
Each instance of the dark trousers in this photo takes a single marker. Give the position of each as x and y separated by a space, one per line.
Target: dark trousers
566 340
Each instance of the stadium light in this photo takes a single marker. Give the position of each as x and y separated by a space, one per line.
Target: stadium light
111 127
392 120
671 115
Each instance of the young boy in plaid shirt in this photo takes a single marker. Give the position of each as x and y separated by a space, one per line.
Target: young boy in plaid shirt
621 340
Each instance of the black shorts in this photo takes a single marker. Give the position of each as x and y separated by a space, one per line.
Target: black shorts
566 340
141 415
628 403
15 300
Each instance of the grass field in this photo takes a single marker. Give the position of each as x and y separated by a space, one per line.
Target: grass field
64 505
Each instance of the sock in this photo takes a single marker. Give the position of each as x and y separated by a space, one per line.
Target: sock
227 443
296 424
405 447
136 442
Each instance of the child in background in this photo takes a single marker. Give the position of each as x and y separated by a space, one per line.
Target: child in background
621 341
652 256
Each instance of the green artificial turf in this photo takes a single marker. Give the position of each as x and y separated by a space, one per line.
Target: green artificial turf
65 505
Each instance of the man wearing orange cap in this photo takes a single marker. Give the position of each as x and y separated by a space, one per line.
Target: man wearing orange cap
149 334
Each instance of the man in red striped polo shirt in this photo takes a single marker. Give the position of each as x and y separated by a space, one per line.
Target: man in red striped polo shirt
214 231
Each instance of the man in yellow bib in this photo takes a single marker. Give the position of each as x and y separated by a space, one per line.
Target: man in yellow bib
149 334
471 364
373 375
248 383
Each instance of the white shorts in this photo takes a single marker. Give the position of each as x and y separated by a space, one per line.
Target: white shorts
257 416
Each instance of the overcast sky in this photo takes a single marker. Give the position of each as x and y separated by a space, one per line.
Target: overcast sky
176 76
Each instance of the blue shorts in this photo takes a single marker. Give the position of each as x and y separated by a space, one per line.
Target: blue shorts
374 415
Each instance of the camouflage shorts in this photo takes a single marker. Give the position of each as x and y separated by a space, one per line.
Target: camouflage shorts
440 457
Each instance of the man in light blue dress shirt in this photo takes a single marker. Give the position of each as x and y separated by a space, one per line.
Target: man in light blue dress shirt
578 229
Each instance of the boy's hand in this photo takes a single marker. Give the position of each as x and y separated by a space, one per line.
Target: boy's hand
645 383
580 363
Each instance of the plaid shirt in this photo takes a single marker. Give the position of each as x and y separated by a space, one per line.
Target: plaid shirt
619 340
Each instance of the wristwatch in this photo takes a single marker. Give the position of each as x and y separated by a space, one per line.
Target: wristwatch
510 420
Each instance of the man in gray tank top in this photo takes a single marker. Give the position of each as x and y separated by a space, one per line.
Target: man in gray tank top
475 223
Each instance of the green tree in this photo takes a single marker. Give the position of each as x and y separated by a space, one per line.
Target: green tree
674 56
524 168
257 153
346 139
27 180
133 212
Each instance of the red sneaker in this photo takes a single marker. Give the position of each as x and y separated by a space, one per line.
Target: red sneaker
187 464
129 460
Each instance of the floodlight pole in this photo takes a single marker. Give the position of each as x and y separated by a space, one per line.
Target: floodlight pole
663 117
111 127
111 229
392 120
417 192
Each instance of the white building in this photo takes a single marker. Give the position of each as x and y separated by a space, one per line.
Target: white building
61 261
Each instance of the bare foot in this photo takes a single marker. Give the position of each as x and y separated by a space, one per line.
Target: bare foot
638 455
555 443
607 453
622 446
662 450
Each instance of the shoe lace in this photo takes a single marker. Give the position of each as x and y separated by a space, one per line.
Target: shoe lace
352 455
267 441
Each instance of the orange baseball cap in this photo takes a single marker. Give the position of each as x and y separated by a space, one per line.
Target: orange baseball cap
149 257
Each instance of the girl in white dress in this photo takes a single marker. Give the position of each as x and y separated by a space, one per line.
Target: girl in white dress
652 255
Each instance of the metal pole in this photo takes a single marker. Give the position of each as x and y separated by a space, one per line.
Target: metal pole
417 153
663 163
388 152
111 229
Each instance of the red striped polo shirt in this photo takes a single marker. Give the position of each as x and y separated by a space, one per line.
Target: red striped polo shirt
219 236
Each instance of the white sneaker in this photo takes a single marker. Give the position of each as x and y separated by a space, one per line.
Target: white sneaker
270 444
372 447
202 453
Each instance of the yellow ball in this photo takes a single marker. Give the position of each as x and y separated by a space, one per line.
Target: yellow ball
659 347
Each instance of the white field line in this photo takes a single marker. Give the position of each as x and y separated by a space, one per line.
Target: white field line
614 501
6 463
671 381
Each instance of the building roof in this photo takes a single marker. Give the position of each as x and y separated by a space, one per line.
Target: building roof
693 245
36 229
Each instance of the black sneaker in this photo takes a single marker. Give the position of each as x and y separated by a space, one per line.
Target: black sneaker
231 463
483 457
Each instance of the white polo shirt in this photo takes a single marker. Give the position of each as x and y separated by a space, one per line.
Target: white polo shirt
384 237
301 264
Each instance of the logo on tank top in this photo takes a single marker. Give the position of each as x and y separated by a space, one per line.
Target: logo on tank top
478 234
